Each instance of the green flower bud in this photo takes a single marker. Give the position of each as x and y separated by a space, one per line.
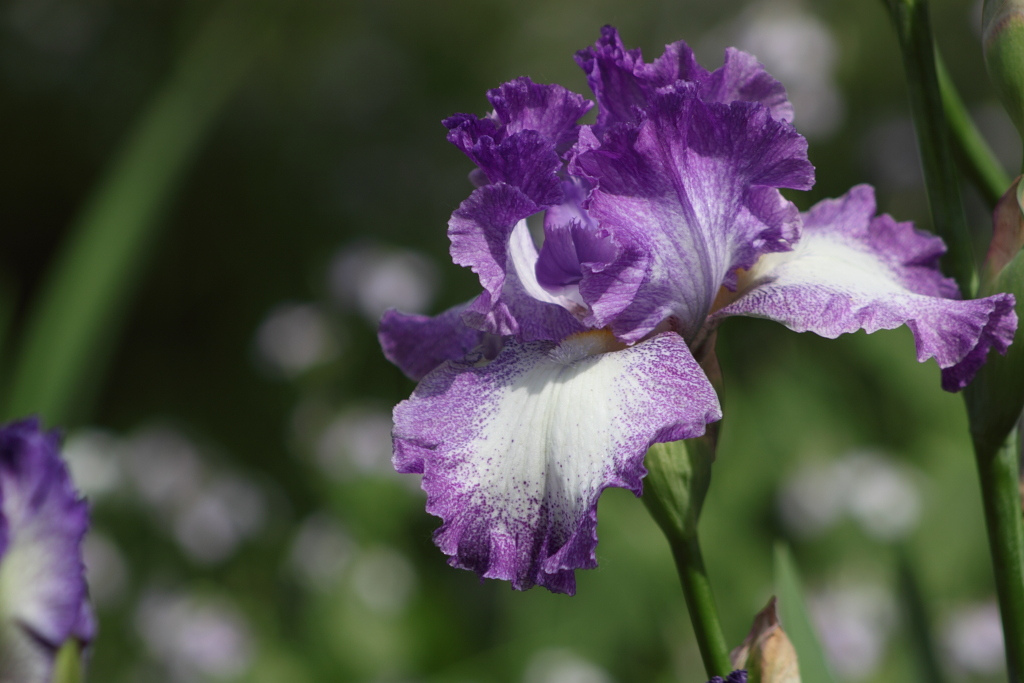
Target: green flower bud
1003 44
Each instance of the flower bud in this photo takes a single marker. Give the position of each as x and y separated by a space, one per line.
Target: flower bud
1003 45
766 653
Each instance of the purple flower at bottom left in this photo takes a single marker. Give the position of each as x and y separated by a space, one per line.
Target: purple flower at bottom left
43 593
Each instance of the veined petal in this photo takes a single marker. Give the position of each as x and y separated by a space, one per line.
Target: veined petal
418 343
521 141
43 595
610 70
742 78
516 313
480 229
484 238
515 453
624 85
696 184
852 271
549 109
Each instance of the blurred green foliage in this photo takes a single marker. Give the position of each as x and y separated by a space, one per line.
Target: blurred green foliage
333 142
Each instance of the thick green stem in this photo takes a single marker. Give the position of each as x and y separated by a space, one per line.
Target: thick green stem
679 474
913 29
701 603
998 471
977 160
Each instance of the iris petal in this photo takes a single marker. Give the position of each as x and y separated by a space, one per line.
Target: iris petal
514 453
854 271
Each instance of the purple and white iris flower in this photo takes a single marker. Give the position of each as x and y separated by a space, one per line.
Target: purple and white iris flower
43 594
654 223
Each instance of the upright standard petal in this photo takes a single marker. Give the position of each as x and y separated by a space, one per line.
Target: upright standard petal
696 184
624 85
521 141
854 271
43 595
516 452
742 78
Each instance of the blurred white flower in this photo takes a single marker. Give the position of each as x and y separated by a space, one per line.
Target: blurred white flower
194 637
92 458
164 465
557 665
320 552
294 338
358 440
854 623
973 639
383 579
881 496
811 500
800 51
105 568
223 514
374 279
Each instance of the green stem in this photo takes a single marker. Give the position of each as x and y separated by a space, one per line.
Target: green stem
701 604
977 160
678 478
78 310
1000 488
913 30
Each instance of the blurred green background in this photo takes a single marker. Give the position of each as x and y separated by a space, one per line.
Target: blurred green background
231 425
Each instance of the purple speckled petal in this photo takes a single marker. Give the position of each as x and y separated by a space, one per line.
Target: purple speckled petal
695 184
624 85
566 248
515 453
521 141
43 593
852 270
525 160
743 79
482 232
521 314
418 343
575 193
551 110
610 70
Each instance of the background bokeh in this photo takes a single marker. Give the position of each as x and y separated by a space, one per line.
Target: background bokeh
233 437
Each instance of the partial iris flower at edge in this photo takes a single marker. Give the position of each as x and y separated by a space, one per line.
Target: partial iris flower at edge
43 595
661 219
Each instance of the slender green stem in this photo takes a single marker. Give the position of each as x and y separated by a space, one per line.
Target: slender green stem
913 30
998 471
976 158
78 310
701 603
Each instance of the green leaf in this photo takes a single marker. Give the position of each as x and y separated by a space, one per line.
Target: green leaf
794 617
74 320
